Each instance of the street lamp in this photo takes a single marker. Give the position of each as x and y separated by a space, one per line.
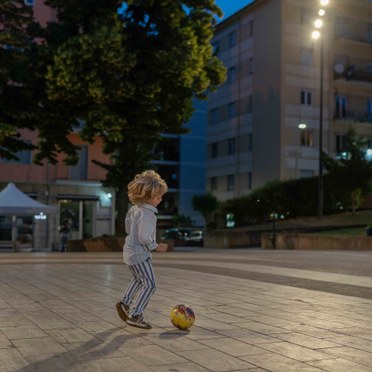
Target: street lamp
316 34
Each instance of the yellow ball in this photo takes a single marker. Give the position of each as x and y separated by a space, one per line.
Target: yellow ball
182 317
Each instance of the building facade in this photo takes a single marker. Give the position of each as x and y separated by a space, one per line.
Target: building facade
75 191
274 84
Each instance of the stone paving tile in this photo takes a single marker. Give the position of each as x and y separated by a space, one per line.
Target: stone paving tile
307 341
216 361
11 360
248 336
185 367
339 365
111 365
20 332
4 341
278 363
233 347
263 328
34 349
293 351
355 342
152 355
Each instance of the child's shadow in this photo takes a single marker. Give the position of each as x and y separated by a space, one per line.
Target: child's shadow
80 355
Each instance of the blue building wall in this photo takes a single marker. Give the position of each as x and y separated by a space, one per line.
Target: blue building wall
192 165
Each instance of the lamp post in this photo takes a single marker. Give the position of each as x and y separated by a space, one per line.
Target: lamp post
317 35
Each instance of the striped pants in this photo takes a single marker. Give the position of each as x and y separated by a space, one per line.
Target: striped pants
143 284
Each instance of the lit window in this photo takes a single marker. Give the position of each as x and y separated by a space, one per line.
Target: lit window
307 138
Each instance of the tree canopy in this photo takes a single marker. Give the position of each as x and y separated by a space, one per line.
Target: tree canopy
128 71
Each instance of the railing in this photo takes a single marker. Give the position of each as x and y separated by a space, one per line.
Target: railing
353 73
355 116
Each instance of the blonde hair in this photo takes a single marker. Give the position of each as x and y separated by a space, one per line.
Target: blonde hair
145 186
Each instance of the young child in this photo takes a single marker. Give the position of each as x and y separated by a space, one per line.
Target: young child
145 193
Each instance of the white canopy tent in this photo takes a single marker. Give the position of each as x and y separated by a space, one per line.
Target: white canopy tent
13 202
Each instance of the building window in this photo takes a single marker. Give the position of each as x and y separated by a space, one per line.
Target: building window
214 150
216 47
369 32
341 105
230 182
340 143
232 37
250 66
214 183
306 16
213 116
232 110
369 109
251 28
80 170
250 180
250 142
231 75
341 27
305 98
250 104
231 146
307 138
306 57
24 157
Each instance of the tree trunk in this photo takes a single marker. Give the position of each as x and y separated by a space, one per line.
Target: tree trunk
122 204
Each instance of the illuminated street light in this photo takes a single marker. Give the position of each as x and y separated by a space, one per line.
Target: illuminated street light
317 35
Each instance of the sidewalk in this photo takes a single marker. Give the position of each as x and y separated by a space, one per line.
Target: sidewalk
57 313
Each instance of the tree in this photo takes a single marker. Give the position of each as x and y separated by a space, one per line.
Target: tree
15 25
351 174
131 76
24 103
206 204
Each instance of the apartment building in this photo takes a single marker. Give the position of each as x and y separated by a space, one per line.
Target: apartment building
274 85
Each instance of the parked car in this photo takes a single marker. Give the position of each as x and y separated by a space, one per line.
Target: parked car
184 236
195 237
176 233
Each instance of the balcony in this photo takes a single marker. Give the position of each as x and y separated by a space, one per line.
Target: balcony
354 73
352 116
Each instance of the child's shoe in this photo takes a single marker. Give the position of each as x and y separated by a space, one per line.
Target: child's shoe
138 321
123 310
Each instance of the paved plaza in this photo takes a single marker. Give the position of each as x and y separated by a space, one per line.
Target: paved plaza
255 310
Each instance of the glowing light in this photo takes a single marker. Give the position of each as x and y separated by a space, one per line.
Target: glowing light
322 12
318 23
315 35
302 126
324 2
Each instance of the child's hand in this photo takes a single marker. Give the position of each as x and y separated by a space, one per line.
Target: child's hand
161 247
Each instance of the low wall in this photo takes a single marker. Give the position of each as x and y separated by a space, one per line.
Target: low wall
107 244
232 238
313 242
